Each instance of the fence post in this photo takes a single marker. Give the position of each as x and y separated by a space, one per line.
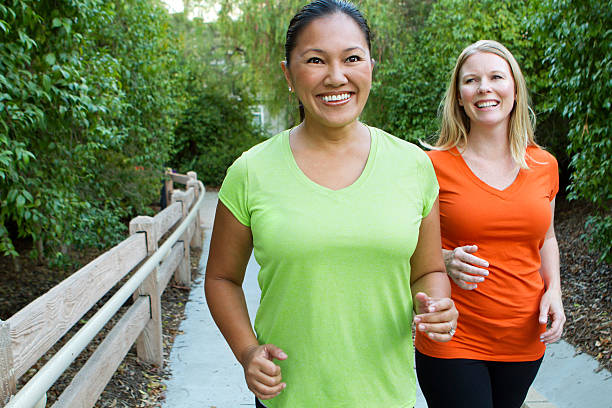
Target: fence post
8 382
182 274
149 346
196 240
169 185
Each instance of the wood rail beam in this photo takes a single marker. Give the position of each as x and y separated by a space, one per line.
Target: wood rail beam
38 326
87 386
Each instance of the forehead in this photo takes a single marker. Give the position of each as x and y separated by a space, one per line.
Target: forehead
330 32
484 62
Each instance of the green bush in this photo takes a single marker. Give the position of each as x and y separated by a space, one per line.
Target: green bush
578 41
88 97
213 132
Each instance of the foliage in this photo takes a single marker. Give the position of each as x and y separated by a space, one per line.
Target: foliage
583 94
213 132
411 86
86 99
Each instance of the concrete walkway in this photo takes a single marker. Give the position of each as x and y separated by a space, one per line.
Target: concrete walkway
205 373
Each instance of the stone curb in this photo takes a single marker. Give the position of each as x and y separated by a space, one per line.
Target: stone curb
536 400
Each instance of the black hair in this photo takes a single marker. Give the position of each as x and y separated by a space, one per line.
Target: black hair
318 9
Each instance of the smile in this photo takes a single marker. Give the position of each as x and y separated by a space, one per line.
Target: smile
337 98
486 104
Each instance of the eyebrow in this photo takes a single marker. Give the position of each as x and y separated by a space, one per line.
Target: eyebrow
324 52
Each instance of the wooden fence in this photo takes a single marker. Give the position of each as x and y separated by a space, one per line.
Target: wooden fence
31 332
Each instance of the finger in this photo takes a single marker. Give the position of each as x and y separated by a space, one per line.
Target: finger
275 352
442 327
464 285
440 337
470 278
469 248
466 267
261 363
422 302
264 392
270 381
269 368
544 309
555 331
437 317
551 336
474 260
439 304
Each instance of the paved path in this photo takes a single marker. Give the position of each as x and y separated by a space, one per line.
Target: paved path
205 373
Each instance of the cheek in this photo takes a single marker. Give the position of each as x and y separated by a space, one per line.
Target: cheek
464 95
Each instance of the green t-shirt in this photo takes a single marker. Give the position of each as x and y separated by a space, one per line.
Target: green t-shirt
335 270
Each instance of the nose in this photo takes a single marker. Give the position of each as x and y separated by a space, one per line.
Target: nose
336 75
484 86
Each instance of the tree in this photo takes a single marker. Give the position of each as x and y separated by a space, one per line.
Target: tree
87 111
579 40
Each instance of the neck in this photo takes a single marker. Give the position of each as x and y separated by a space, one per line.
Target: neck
488 141
319 136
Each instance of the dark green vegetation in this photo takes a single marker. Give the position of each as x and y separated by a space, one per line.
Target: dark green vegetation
87 113
98 96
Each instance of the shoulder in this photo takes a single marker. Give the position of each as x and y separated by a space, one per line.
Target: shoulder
439 155
261 153
443 159
271 146
538 157
395 145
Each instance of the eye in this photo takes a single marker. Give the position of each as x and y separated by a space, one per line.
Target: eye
353 58
497 76
314 60
469 80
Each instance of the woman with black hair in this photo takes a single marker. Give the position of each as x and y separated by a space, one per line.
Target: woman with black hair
343 219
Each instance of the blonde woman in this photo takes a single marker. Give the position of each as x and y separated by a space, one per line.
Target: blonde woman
497 200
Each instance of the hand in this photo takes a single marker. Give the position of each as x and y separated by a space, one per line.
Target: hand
263 377
436 317
551 305
462 268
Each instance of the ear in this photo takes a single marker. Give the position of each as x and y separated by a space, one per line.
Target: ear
460 101
285 69
373 62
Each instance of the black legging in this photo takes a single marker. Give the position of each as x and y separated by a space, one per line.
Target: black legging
464 383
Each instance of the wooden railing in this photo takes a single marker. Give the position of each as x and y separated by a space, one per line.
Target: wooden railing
34 330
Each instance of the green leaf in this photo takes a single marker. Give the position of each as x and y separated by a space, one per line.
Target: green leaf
50 58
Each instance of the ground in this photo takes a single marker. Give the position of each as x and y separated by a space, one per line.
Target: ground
587 296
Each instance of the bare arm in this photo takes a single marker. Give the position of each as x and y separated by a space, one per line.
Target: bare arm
436 312
551 303
230 248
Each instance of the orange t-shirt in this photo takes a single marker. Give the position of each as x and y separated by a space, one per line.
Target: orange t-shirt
498 321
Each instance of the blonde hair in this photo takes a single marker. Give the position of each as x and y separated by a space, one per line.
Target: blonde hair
456 124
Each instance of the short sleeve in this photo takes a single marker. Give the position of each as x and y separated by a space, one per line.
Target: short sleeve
234 191
429 183
554 178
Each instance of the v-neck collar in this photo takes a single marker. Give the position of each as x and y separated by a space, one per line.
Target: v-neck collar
505 193
295 169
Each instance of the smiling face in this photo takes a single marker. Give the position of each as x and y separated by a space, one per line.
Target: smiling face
486 89
330 70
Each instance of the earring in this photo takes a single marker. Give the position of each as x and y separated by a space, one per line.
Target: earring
290 90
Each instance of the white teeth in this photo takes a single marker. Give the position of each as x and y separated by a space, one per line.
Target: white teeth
486 104
333 98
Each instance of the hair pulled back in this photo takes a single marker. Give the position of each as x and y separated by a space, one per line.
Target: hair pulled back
319 9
